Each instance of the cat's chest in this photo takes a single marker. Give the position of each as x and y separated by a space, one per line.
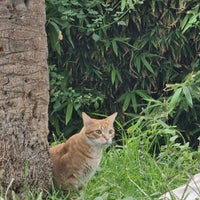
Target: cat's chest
92 158
90 168
93 163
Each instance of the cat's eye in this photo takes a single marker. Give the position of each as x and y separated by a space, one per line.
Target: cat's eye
111 131
98 131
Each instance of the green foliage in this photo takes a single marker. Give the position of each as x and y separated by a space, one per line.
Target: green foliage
126 170
123 53
180 109
66 99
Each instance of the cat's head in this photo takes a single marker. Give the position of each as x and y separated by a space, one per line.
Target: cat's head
99 131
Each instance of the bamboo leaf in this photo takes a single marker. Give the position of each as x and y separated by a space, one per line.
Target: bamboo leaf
122 23
58 106
113 76
189 23
122 97
68 113
55 26
138 63
126 102
184 22
107 44
193 19
188 96
143 94
119 76
68 34
146 64
115 47
123 4
55 43
175 97
134 102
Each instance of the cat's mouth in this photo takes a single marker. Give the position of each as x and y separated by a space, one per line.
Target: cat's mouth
103 144
106 143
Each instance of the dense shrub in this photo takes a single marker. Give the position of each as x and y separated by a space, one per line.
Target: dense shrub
108 56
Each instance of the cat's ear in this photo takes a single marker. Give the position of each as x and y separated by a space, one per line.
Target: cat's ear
86 119
112 117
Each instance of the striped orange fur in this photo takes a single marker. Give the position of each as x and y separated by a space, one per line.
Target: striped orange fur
76 160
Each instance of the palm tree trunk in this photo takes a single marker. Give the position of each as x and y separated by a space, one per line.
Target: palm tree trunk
24 96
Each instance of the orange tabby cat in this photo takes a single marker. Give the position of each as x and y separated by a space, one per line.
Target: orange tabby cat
76 160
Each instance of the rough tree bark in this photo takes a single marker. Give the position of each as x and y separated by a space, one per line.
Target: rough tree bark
23 95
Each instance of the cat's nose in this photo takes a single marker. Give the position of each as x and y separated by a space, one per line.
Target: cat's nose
107 138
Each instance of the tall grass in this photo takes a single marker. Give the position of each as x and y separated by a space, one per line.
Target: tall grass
131 172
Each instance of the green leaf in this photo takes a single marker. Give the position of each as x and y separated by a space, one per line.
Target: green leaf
123 4
68 34
126 102
68 113
55 26
55 43
138 63
122 23
96 104
173 138
122 97
55 122
39 197
107 44
184 22
113 75
189 23
134 102
115 47
95 37
188 96
143 94
58 106
175 97
119 76
146 64
193 19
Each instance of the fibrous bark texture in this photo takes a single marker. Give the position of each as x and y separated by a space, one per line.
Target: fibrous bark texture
23 95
